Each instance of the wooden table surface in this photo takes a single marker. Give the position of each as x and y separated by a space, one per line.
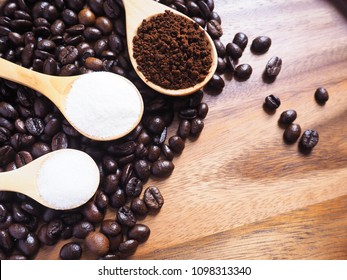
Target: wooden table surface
239 192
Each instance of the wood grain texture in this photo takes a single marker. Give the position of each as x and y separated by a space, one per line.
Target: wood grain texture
239 192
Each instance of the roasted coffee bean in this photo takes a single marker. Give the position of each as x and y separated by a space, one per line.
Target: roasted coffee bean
4 134
214 29
7 124
18 231
92 33
216 82
20 25
94 63
76 29
71 251
40 149
193 8
29 246
3 212
220 48
261 44
16 39
67 232
153 198
128 247
292 133
272 102
18 214
142 170
8 111
199 21
115 43
97 243
69 17
96 6
86 17
55 228
138 206
100 46
202 110
241 40
184 129
52 127
139 232
153 153
9 9
4 31
122 149
46 45
134 187
111 9
167 152
243 71
273 67
204 8
22 158
188 114
118 198
104 25
31 207
110 227
21 14
50 66
6 241
234 50
110 164
321 95
162 168
287 117
141 151
69 70
44 238
197 125
35 126
57 28
126 217
177 144
92 213
101 200
309 139
7 154
181 7
68 55
82 229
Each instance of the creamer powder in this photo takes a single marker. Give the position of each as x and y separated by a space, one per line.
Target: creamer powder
103 105
67 179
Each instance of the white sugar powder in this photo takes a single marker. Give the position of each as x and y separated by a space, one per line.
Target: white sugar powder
67 179
103 105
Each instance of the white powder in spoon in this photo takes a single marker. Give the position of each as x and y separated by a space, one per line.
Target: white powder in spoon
103 105
67 179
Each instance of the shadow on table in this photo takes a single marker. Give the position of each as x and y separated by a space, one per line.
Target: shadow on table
340 5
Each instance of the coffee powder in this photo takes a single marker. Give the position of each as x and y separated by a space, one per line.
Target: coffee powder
172 51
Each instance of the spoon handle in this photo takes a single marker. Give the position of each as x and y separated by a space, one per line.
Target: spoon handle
21 75
18 180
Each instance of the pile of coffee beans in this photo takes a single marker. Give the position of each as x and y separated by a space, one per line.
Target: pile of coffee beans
69 37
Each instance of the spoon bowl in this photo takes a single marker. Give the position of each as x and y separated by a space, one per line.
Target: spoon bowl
138 10
128 111
63 179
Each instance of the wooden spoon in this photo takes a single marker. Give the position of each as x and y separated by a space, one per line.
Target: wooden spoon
38 179
138 10
57 89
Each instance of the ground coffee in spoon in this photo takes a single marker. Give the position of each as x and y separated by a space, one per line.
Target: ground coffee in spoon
172 51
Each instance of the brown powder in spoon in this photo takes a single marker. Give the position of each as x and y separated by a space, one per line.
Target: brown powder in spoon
172 51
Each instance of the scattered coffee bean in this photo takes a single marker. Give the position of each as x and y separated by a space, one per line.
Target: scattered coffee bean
287 117
97 243
321 95
241 40
261 44
139 232
273 67
309 139
272 102
292 133
243 71
234 50
153 198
